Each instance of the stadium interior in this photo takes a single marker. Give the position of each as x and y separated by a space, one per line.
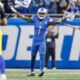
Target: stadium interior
66 65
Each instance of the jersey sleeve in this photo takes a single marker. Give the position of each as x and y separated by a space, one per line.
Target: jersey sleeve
50 20
2 12
32 17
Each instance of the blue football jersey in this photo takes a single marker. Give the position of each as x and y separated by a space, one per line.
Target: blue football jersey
40 28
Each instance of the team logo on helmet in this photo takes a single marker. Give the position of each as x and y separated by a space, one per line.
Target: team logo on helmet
42 13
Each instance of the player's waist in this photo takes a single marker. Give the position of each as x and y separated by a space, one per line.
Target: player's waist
36 29
37 43
38 40
39 36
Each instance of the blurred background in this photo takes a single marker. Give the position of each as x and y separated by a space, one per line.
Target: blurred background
53 6
64 48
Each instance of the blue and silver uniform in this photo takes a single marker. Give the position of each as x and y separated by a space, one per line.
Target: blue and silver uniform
40 28
39 43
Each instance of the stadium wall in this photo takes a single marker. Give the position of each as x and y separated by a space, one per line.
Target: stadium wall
17 40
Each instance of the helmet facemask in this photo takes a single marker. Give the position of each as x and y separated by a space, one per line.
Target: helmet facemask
42 13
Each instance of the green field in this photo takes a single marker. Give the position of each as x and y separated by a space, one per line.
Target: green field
21 74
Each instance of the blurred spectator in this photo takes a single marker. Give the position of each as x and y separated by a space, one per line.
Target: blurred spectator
78 4
50 46
74 8
6 5
63 5
35 5
37 2
53 6
21 9
47 4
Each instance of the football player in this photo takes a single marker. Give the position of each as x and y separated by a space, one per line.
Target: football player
41 22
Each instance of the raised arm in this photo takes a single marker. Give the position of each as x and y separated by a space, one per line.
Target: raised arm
24 17
57 21
67 16
21 15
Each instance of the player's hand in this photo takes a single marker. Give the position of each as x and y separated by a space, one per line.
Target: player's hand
66 15
69 16
13 9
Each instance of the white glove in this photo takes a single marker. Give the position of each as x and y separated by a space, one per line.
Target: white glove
69 16
66 15
13 10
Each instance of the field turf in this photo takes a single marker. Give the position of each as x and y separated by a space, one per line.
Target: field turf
53 74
